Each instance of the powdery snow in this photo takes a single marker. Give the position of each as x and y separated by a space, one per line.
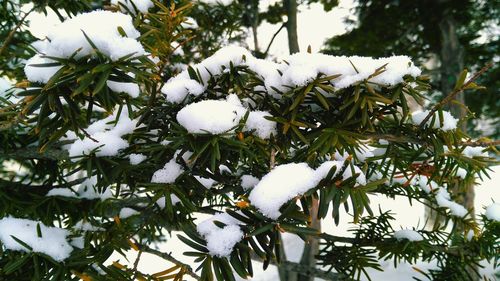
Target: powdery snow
287 181
131 89
136 159
449 122
177 90
220 241
408 234
210 116
141 5
173 198
67 38
107 134
280 185
301 68
221 116
127 212
443 200
52 241
493 212
470 152
248 182
86 190
169 173
206 182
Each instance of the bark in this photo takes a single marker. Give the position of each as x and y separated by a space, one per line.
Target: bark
291 25
452 63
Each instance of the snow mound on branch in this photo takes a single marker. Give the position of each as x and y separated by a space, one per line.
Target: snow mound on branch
470 152
136 158
408 234
105 136
296 70
287 181
141 5
169 173
221 116
493 212
210 116
131 89
52 241
220 241
248 182
102 27
449 122
443 199
87 190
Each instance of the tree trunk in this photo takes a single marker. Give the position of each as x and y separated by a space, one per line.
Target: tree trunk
452 63
291 25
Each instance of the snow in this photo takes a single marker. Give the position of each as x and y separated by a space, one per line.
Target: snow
189 23
86 190
287 181
66 38
141 5
207 183
127 212
323 169
169 173
177 90
280 185
220 241
108 137
221 116
136 159
210 116
173 198
52 241
86 226
301 68
41 74
248 182
132 89
471 152
443 200
408 234
214 2
449 122
493 212
461 173
262 127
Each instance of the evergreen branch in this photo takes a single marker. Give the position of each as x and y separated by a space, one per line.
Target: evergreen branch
34 153
481 143
171 259
10 36
455 92
305 270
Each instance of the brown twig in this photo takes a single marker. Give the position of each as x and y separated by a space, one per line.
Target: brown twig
455 92
272 39
171 259
13 31
481 143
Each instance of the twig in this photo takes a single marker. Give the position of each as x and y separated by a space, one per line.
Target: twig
455 92
171 259
272 39
481 143
136 263
13 31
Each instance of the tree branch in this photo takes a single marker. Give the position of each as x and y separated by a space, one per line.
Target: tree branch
13 31
272 39
171 259
455 92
